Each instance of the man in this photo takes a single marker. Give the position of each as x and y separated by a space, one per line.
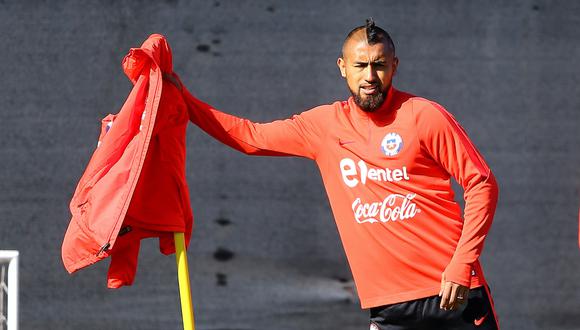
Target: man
386 158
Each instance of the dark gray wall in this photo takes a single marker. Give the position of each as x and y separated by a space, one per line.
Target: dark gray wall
508 71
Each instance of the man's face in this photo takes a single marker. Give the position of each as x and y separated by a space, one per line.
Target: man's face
368 70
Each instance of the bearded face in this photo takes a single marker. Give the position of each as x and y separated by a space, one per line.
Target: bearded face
369 98
368 70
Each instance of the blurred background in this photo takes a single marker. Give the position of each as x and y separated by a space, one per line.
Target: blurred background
265 251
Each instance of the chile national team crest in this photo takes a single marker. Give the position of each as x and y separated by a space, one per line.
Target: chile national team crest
392 144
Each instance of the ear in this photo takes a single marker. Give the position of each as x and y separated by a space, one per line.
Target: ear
395 65
342 66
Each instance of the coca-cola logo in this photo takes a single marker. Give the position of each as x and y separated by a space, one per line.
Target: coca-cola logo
395 207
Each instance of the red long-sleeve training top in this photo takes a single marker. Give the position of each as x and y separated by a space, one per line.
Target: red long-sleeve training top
387 176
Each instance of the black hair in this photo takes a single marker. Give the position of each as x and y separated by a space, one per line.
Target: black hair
374 34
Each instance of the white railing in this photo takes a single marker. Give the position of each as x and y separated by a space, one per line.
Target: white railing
11 258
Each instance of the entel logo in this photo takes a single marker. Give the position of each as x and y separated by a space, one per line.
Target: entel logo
350 176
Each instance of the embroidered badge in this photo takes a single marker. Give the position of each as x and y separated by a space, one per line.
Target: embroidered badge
392 144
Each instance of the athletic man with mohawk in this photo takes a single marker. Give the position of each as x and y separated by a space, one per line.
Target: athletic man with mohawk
386 158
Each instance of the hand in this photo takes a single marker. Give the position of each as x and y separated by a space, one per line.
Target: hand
452 294
171 78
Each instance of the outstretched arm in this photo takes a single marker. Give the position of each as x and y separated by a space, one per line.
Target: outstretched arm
296 136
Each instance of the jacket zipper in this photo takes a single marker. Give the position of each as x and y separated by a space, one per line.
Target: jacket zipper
103 248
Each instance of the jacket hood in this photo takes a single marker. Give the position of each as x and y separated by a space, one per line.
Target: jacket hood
156 49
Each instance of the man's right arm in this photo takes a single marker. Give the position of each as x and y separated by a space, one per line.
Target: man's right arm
296 136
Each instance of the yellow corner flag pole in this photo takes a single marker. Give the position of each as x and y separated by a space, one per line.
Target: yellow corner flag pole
183 278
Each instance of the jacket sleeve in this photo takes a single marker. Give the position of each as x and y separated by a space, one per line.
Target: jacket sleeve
448 144
296 136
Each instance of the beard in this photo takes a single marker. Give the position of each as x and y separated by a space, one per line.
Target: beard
369 103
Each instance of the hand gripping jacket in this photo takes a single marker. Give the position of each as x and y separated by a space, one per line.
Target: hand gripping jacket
134 186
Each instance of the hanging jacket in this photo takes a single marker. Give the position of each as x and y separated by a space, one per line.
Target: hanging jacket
134 186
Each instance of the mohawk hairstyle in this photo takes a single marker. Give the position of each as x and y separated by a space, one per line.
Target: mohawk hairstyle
374 34
372 31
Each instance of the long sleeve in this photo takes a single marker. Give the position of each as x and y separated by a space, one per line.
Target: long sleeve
448 144
296 136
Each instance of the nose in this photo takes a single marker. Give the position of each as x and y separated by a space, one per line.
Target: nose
370 74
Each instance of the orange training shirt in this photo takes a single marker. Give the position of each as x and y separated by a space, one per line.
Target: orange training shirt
387 176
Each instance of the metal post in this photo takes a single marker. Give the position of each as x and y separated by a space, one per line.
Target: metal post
11 257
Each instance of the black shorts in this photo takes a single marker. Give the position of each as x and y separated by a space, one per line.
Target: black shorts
477 314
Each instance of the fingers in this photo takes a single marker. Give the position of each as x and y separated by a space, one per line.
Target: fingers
462 295
446 295
453 295
442 284
459 296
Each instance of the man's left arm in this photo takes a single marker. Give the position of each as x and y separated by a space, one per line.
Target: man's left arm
449 145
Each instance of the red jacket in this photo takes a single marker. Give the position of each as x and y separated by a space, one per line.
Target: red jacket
134 185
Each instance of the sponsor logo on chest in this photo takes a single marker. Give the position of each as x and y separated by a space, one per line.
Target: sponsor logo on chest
353 173
394 207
